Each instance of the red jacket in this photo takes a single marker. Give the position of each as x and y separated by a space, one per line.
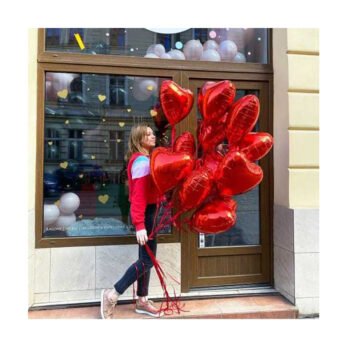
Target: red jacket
142 190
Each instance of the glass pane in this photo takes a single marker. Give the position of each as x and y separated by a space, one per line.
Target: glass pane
246 231
88 118
238 45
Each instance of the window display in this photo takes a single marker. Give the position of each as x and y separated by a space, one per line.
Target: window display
235 45
88 118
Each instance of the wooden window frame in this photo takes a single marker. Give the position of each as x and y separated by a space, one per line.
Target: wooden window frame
117 65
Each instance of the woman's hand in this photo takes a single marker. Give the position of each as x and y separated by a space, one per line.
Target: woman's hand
141 237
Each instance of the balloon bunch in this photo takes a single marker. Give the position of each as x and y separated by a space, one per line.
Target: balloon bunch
202 181
61 215
206 183
193 50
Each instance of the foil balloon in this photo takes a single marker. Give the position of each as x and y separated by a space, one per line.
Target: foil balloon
216 100
210 135
215 217
256 145
236 174
195 189
185 143
158 116
211 161
176 102
169 168
201 94
242 118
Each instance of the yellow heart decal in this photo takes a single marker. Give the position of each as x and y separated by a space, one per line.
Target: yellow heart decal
103 199
50 143
64 165
62 93
150 88
129 110
101 97
93 157
121 124
153 113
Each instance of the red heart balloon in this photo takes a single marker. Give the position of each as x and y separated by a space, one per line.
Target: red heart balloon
159 118
195 189
256 145
242 118
176 102
210 135
216 100
236 174
185 143
169 168
211 161
214 217
201 94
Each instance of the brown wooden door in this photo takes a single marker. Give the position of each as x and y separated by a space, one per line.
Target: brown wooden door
242 255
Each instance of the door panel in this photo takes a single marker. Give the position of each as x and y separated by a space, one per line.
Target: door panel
242 255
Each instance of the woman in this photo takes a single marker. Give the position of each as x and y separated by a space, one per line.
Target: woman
143 196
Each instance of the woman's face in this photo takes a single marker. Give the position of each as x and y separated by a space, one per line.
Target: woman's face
149 140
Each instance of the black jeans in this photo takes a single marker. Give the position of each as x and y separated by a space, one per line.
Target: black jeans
141 269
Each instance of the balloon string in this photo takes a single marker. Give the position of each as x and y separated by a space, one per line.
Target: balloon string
172 304
169 275
163 222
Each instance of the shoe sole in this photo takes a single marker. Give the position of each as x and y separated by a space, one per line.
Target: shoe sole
149 313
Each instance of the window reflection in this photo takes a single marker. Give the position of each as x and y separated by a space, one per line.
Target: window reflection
88 118
239 45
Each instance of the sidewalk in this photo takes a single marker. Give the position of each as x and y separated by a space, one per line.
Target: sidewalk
235 307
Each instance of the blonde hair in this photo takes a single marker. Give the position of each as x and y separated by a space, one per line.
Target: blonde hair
137 134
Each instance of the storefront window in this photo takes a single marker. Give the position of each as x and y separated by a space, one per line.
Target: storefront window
238 45
246 231
88 118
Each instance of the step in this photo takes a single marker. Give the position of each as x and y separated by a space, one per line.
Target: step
264 307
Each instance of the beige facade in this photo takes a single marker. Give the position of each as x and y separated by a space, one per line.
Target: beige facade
77 274
296 166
